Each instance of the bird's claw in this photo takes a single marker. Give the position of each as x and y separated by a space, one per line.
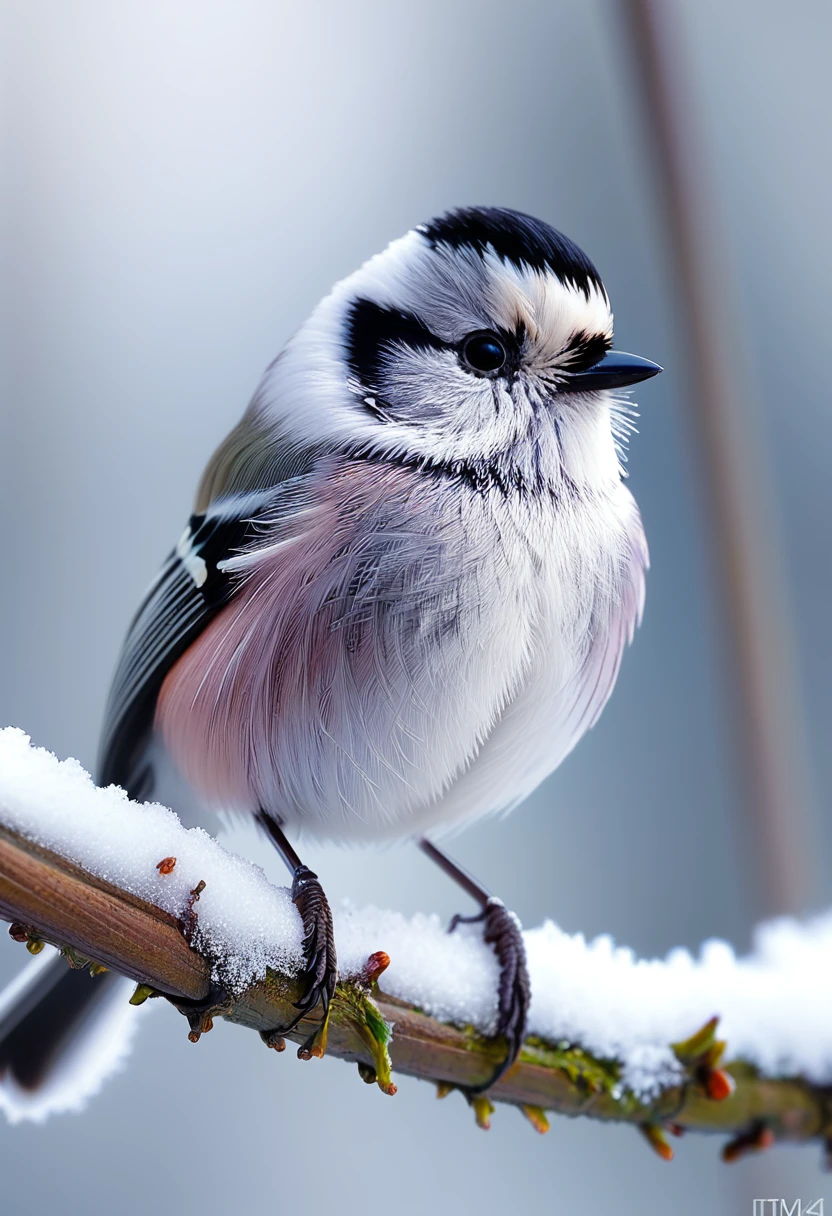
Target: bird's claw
503 933
320 970
321 967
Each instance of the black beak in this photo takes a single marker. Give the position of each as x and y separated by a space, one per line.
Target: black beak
615 370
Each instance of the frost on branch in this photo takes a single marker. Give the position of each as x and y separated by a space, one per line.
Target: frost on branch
590 1000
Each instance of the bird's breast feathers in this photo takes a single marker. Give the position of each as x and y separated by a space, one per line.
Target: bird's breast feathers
398 657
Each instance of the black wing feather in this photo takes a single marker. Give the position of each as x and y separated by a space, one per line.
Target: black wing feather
173 614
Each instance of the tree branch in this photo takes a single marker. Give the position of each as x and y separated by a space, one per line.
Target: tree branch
61 903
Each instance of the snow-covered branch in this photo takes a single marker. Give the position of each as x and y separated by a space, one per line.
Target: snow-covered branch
612 1036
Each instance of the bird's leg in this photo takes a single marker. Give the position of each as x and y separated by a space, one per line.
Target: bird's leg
503 932
320 964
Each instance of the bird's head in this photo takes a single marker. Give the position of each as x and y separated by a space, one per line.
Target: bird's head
480 342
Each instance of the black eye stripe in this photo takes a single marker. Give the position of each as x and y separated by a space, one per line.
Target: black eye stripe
584 350
370 332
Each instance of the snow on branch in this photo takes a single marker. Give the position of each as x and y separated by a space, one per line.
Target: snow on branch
611 1036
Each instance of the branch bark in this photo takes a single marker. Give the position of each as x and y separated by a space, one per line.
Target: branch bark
60 903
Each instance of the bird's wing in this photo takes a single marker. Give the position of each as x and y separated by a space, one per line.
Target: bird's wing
190 589
252 476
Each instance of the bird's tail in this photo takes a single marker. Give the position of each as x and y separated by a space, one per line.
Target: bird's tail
62 1034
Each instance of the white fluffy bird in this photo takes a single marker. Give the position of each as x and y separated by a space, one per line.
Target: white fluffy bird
409 577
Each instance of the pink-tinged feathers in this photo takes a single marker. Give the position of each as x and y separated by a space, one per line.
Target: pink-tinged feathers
393 645
344 686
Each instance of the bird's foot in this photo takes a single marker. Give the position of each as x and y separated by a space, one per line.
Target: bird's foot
320 970
503 932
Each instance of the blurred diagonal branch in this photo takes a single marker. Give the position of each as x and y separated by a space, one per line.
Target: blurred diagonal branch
770 744
49 899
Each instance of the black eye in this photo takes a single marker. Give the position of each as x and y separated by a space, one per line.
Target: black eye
484 353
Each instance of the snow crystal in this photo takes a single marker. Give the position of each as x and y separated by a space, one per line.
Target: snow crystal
773 1004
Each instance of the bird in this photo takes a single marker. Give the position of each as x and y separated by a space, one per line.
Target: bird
406 585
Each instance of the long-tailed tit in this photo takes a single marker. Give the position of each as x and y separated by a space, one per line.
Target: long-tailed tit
411 569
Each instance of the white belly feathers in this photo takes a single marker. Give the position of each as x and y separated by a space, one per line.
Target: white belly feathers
413 670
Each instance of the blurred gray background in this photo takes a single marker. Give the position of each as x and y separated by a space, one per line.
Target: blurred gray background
183 180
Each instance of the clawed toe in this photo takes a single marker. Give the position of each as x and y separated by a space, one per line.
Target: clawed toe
320 966
503 933
320 970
